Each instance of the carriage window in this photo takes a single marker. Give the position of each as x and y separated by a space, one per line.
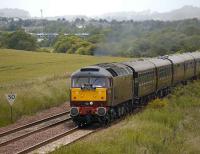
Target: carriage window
96 82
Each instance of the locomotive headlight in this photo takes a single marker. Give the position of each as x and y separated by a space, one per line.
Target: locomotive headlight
91 103
74 111
101 111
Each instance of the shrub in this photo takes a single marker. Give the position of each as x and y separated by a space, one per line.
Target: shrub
74 44
158 103
20 40
44 50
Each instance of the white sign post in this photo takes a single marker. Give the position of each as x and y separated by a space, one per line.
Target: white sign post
11 99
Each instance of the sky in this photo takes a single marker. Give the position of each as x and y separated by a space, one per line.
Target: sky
93 7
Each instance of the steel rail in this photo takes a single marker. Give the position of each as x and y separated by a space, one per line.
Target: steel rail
34 131
39 145
32 124
43 143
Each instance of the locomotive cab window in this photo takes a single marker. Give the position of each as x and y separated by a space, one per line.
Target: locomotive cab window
95 82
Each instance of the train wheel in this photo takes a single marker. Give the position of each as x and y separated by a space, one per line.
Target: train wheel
118 112
113 114
105 120
108 119
123 110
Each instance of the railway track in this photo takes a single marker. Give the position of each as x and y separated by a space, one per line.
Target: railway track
31 128
68 137
65 137
43 143
33 123
10 137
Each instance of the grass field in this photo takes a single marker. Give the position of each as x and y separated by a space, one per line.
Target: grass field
168 126
40 80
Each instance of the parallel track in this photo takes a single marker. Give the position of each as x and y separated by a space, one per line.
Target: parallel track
21 128
43 143
33 124
64 134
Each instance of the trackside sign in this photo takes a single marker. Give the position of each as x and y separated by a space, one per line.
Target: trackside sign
11 98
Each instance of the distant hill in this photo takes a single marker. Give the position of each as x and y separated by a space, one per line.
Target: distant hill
12 13
185 12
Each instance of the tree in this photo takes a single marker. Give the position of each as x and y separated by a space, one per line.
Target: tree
74 44
20 40
191 43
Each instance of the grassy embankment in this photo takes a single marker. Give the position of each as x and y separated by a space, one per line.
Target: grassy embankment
166 126
40 80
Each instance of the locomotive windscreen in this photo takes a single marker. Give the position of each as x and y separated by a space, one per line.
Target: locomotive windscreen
90 81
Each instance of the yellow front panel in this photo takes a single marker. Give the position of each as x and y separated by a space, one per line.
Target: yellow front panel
99 94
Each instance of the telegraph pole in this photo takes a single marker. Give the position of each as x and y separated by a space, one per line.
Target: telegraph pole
41 11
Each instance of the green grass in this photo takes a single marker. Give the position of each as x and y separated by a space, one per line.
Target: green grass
21 65
41 80
166 126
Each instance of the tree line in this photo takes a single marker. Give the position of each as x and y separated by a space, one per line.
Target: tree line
21 40
118 38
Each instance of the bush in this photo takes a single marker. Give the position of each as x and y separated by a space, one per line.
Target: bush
73 44
20 40
158 103
44 50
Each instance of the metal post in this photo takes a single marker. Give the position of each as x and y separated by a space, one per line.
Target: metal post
11 113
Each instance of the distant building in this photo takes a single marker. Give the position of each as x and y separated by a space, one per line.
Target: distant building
42 36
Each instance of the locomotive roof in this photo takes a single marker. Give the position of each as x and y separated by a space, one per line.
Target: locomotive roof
160 62
116 69
104 70
140 65
95 71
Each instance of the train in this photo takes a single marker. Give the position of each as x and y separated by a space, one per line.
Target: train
104 92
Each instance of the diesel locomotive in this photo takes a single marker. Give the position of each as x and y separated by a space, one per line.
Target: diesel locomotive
107 91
